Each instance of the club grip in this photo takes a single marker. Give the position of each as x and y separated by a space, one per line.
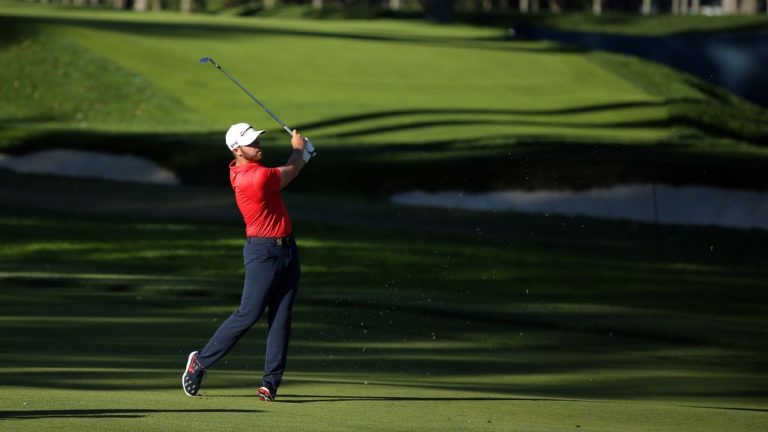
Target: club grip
308 147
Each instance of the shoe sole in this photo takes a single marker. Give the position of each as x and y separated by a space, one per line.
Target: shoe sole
186 369
266 396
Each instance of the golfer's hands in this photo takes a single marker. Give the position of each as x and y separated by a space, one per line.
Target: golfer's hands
298 142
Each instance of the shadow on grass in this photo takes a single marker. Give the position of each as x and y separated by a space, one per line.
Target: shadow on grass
357 326
336 121
471 164
301 399
219 31
727 408
413 125
108 413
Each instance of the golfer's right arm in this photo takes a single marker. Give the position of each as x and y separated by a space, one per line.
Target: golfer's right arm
295 162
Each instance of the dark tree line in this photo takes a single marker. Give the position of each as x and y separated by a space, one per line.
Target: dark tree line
443 10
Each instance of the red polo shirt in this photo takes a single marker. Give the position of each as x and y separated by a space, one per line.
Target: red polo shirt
257 192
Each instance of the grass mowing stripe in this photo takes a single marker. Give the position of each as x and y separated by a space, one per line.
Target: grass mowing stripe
52 80
389 349
575 113
414 76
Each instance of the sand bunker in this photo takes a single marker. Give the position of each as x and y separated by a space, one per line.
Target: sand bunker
88 164
687 205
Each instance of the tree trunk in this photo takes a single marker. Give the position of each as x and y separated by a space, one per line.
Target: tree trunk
525 6
535 6
394 5
748 7
646 8
554 6
730 7
317 4
487 5
140 5
185 6
78 2
675 7
695 7
683 7
597 7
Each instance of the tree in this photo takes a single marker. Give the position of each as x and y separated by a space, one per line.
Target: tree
646 8
749 7
440 11
695 7
730 6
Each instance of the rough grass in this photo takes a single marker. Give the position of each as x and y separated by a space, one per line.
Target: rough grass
547 326
52 81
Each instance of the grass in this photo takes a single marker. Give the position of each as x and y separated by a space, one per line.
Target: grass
373 83
393 96
404 74
608 326
407 319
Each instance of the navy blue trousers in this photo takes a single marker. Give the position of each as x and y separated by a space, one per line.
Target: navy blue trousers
272 275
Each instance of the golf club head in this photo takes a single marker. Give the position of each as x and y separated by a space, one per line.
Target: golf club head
205 60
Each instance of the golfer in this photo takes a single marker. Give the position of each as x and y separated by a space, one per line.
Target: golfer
270 255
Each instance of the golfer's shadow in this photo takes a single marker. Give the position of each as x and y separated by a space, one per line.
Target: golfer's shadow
298 399
107 413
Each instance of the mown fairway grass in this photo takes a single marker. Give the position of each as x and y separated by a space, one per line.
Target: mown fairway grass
402 99
317 72
539 324
611 327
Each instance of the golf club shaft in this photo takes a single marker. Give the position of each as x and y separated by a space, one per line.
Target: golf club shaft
287 129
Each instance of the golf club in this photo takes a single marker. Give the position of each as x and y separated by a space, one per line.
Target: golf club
309 147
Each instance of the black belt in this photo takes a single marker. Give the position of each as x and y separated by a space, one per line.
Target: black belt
277 241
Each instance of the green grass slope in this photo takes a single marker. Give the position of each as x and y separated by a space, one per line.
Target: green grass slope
618 327
52 81
403 98
459 88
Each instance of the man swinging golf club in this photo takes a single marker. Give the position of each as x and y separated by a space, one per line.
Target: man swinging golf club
270 255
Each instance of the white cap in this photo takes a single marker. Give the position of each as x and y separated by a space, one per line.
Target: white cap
241 134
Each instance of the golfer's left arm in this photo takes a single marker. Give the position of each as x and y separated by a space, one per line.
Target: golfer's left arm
295 162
